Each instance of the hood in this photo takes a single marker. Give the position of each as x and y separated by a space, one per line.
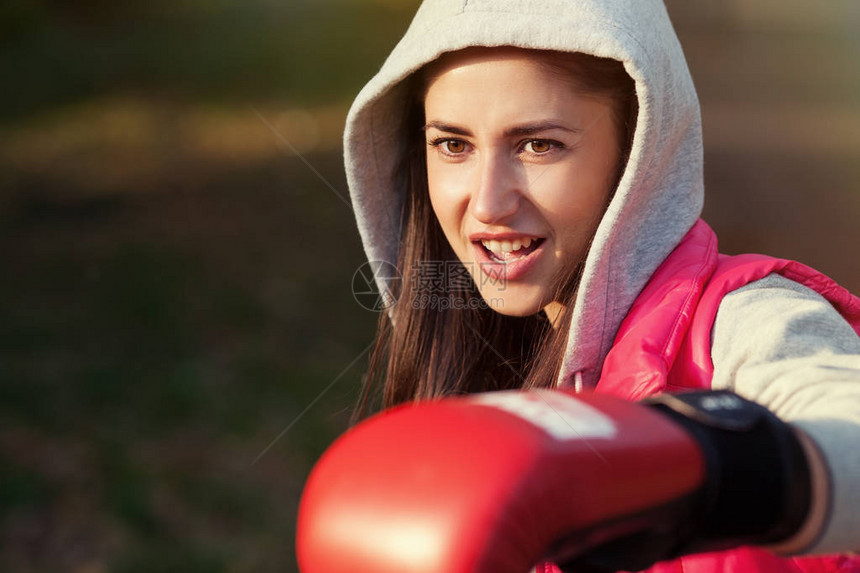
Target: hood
659 196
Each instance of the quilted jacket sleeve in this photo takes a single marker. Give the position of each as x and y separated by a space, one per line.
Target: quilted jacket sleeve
782 345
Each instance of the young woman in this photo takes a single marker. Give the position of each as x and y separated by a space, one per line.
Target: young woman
534 171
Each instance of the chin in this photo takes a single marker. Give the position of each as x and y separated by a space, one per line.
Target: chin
504 303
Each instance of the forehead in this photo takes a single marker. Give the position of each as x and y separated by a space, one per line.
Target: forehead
498 61
502 85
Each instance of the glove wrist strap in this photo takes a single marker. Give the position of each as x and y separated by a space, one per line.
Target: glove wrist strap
758 487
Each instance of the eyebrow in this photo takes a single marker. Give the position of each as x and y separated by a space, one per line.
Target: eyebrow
446 127
519 130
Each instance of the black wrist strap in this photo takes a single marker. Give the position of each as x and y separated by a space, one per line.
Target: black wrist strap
758 487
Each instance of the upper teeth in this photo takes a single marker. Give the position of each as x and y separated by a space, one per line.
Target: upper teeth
507 246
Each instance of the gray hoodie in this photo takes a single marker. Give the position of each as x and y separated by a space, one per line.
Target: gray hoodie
658 199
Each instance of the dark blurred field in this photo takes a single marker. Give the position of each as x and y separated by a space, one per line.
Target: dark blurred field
177 281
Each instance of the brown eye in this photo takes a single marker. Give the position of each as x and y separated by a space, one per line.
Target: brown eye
455 146
539 146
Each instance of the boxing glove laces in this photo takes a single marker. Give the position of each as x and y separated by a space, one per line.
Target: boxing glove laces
497 482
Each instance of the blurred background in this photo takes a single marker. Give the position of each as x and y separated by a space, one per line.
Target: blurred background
178 337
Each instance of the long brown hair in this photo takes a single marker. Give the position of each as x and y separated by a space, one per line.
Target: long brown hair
431 350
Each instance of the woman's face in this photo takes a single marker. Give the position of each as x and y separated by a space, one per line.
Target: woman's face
520 168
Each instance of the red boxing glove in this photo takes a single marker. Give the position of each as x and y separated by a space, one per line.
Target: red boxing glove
500 481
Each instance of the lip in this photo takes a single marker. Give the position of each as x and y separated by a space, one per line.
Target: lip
507 236
512 271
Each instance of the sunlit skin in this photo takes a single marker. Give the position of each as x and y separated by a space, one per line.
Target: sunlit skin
514 152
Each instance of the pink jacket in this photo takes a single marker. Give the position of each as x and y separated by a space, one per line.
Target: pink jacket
664 345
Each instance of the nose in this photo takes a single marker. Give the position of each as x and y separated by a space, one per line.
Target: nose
497 192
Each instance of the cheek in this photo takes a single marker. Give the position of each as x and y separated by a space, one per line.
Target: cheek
446 193
589 180
570 196
573 200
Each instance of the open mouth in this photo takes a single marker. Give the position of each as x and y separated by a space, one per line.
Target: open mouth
509 251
